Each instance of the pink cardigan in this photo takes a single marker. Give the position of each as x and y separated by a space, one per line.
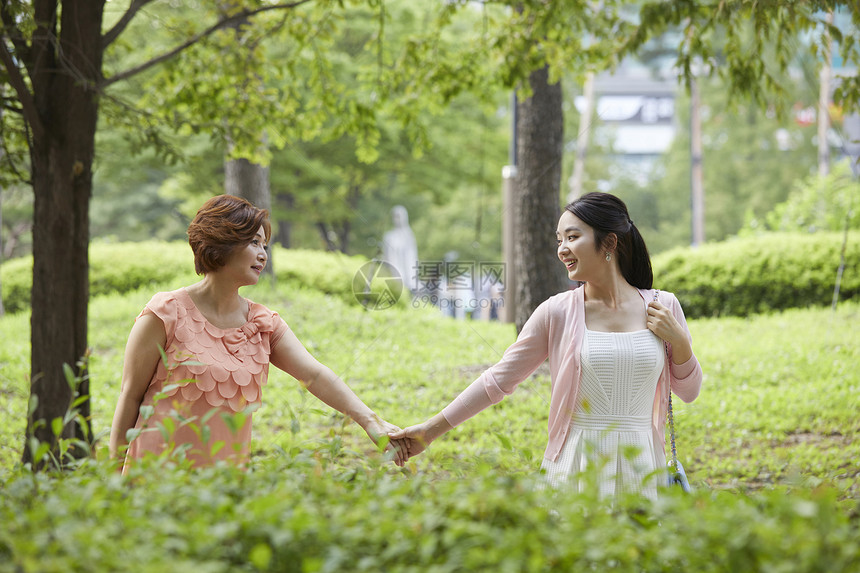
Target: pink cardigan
556 330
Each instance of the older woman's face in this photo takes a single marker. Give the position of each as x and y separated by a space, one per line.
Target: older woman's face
246 263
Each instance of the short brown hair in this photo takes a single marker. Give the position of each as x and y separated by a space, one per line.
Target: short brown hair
222 224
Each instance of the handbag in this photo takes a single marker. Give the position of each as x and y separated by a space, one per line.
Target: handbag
676 475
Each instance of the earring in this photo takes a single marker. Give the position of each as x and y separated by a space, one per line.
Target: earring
608 256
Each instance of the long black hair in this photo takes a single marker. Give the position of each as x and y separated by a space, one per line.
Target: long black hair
606 214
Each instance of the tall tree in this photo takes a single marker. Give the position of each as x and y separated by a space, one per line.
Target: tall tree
755 42
56 71
824 99
583 138
540 136
528 44
244 177
2 310
52 57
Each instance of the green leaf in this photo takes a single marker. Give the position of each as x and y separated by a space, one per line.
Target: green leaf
57 426
38 450
167 429
131 434
146 411
208 415
216 447
260 556
164 359
382 441
234 422
69 374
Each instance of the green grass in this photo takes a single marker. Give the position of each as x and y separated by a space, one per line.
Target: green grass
781 399
779 402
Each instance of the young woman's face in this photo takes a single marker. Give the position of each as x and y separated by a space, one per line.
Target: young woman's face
247 263
577 249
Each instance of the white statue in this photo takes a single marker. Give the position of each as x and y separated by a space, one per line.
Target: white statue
400 250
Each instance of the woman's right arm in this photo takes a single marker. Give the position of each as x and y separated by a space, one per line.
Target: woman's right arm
518 362
141 359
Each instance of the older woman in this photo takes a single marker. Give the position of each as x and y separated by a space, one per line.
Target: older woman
197 358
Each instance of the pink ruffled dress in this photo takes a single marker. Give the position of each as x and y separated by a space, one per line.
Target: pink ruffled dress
212 375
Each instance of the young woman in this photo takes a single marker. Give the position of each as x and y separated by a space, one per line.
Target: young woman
611 376
218 347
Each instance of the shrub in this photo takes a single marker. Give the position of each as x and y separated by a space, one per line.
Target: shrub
759 274
329 273
123 267
16 278
739 277
114 268
301 514
816 204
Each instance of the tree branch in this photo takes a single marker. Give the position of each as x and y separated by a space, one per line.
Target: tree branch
123 23
28 104
228 21
13 32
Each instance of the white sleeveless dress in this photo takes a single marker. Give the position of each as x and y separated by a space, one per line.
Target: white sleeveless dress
611 424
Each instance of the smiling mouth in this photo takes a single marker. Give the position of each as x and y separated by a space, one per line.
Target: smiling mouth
258 268
569 264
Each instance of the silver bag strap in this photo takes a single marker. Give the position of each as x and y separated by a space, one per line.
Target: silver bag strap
670 417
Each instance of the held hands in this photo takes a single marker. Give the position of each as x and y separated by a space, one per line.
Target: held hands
414 438
377 429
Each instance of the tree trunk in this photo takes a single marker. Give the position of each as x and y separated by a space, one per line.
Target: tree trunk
243 178
343 235
2 148
2 311
62 154
540 134
284 234
249 181
824 101
326 235
697 177
582 138
344 228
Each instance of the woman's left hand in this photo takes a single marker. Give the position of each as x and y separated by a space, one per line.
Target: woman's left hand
663 323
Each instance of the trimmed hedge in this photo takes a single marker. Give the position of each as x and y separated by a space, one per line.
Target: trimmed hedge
124 267
739 277
759 274
114 268
329 273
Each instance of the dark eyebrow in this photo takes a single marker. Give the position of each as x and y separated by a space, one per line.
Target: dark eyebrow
569 229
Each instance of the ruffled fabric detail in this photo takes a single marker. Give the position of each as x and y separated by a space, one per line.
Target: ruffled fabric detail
226 367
